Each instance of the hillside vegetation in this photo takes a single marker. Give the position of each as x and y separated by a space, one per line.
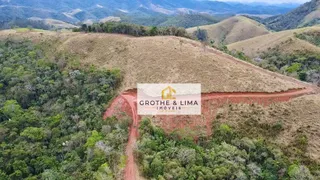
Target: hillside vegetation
292 126
312 36
51 117
295 53
232 30
131 29
225 155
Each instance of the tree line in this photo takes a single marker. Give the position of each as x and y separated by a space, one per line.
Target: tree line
132 29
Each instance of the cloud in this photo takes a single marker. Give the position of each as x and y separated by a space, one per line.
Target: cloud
268 1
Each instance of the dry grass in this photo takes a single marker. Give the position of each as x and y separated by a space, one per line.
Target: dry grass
254 46
165 60
172 60
232 30
298 116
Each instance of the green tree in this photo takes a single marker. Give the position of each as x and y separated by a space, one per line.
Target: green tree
95 137
201 34
34 133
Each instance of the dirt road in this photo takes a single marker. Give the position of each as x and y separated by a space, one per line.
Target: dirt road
126 102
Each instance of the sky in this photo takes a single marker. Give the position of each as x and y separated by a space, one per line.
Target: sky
269 1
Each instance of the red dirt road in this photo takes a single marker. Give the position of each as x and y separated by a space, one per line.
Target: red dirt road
126 103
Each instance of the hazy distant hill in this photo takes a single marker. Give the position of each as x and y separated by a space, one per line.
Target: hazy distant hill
307 14
73 11
189 20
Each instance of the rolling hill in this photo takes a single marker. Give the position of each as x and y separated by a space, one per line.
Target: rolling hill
285 41
152 66
183 56
232 30
307 14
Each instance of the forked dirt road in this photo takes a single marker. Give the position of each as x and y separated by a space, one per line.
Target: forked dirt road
126 102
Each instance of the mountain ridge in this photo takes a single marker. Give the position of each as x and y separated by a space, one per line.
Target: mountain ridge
99 9
307 14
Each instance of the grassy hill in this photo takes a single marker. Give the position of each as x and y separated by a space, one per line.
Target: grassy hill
286 41
232 30
294 53
172 59
168 59
307 14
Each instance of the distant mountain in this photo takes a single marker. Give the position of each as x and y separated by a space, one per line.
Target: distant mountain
73 11
189 20
307 14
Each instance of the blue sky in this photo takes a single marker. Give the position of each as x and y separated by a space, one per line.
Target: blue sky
270 1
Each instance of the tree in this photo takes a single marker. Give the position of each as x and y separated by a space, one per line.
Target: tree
34 133
201 34
11 109
104 173
153 31
95 137
299 172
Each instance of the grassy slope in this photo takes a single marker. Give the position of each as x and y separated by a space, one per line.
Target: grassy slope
233 29
286 41
167 59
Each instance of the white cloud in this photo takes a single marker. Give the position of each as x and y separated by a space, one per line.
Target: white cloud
268 1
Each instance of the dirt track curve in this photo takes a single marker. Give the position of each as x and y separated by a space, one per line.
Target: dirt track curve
126 102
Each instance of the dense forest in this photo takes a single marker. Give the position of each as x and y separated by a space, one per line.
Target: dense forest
225 155
51 123
132 29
